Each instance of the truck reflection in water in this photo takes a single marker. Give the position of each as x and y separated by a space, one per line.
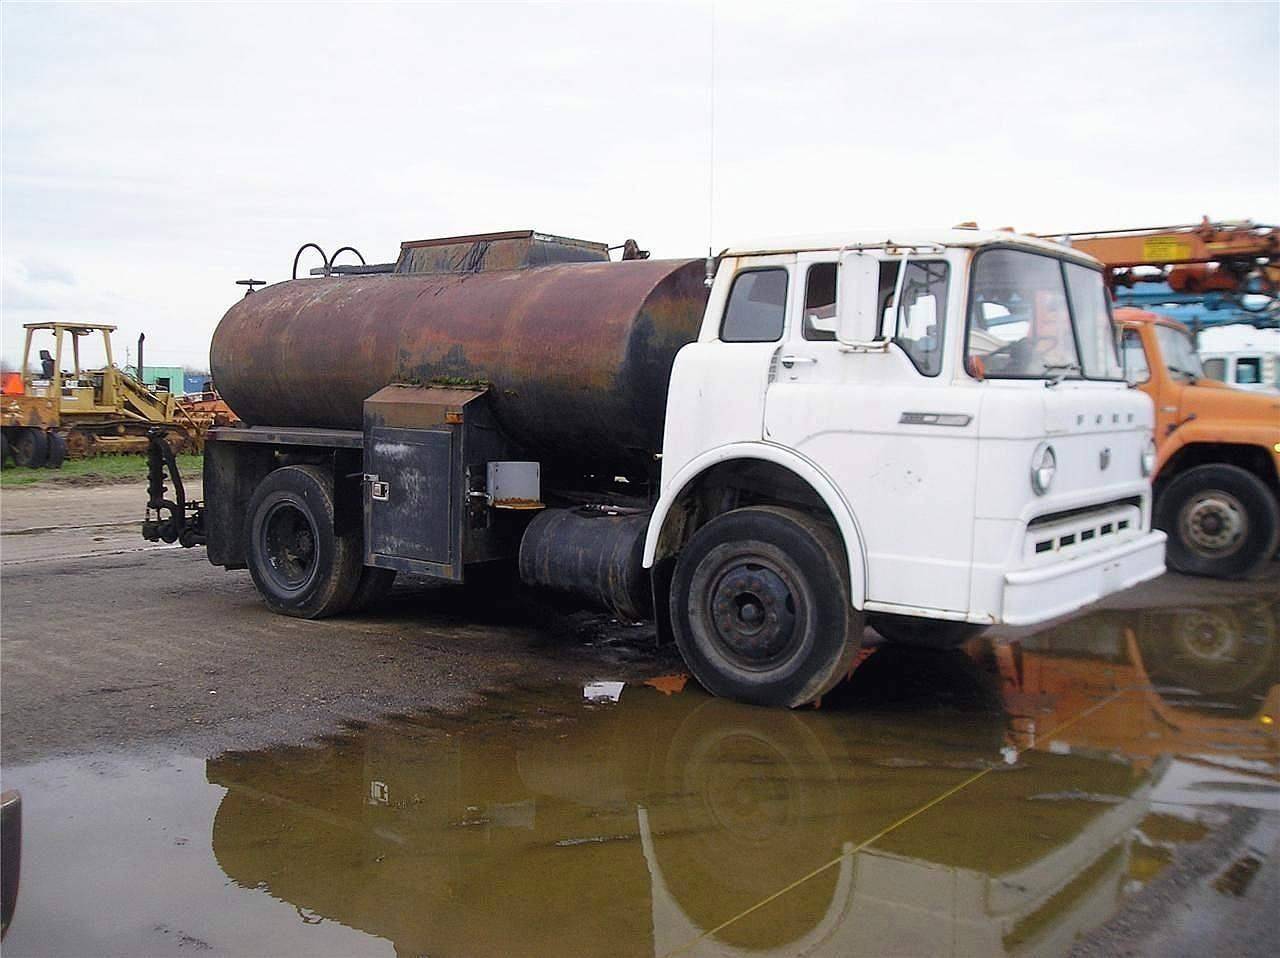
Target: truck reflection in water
540 827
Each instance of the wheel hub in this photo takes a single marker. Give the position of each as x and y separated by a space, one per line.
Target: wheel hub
753 612
1214 523
290 545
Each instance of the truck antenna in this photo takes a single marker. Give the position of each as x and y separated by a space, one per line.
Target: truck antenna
711 156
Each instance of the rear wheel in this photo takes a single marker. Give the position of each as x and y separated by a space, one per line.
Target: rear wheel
760 607
373 587
299 564
57 451
1221 521
924 633
31 447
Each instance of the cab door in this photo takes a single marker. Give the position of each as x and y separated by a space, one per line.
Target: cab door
718 384
1145 368
888 426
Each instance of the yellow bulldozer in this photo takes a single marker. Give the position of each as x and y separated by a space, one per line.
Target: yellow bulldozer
48 412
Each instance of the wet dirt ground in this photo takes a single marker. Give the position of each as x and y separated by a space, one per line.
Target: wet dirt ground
429 779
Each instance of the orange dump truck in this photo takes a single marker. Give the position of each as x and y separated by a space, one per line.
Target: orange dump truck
1217 479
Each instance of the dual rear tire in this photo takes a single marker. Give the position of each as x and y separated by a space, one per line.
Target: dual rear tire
30 447
300 564
35 448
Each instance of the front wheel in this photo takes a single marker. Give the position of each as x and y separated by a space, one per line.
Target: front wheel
760 607
1221 521
299 564
924 633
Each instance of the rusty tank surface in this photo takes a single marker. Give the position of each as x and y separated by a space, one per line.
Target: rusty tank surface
577 355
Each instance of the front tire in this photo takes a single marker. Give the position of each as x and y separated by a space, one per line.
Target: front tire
1222 522
299 564
760 607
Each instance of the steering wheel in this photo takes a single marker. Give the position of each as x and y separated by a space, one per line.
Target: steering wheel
1020 352
1014 354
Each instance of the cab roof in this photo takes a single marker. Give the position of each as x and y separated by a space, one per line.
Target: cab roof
912 236
1133 316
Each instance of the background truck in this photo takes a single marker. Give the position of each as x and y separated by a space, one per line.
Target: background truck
1217 480
761 451
1251 366
1219 449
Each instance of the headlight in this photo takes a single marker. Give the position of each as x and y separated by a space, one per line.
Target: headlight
1043 465
1149 457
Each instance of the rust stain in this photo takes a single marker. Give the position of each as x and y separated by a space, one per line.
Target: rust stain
579 354
668 684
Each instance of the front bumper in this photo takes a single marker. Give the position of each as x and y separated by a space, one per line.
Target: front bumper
1037 594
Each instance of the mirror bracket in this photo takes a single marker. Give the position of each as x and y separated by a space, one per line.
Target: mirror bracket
870 346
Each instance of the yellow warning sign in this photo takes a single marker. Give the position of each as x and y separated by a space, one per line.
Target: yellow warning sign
1162 249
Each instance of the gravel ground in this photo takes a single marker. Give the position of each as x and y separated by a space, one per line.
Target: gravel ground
113 643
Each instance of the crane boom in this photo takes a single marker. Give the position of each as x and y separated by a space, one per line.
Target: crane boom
1206 274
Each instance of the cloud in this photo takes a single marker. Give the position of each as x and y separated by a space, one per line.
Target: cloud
154 154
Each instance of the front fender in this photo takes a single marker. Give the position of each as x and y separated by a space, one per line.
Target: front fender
819 481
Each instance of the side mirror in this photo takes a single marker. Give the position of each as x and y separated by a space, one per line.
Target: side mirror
857 301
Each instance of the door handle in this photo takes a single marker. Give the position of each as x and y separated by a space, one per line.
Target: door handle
790 361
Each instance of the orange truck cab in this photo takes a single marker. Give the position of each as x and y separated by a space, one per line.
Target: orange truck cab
1217 478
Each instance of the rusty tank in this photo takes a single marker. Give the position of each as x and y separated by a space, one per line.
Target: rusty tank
577 356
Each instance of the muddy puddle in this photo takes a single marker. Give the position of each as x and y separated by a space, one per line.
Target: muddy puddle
1001 800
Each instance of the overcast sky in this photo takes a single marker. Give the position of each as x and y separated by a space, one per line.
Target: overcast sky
154 154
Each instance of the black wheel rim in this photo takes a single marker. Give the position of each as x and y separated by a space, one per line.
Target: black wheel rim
289 543
754 611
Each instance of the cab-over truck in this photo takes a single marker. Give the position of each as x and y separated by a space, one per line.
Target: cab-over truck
928 431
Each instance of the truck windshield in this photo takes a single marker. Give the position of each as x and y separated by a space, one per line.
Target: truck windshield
1179 351
1037 317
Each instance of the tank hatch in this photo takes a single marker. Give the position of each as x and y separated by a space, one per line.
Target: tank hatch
485 252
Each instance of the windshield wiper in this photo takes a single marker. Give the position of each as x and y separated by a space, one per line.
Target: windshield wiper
1061 369
1190 376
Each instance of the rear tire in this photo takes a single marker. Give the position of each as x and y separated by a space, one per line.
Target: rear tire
31 447
924 633
374 585
57 451
300 566
760 607
1222 522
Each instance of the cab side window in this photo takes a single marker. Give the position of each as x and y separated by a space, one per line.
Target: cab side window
918 325
1136 369
1216 368
757 307
820 302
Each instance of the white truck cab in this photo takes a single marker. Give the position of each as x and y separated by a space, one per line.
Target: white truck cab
950 401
